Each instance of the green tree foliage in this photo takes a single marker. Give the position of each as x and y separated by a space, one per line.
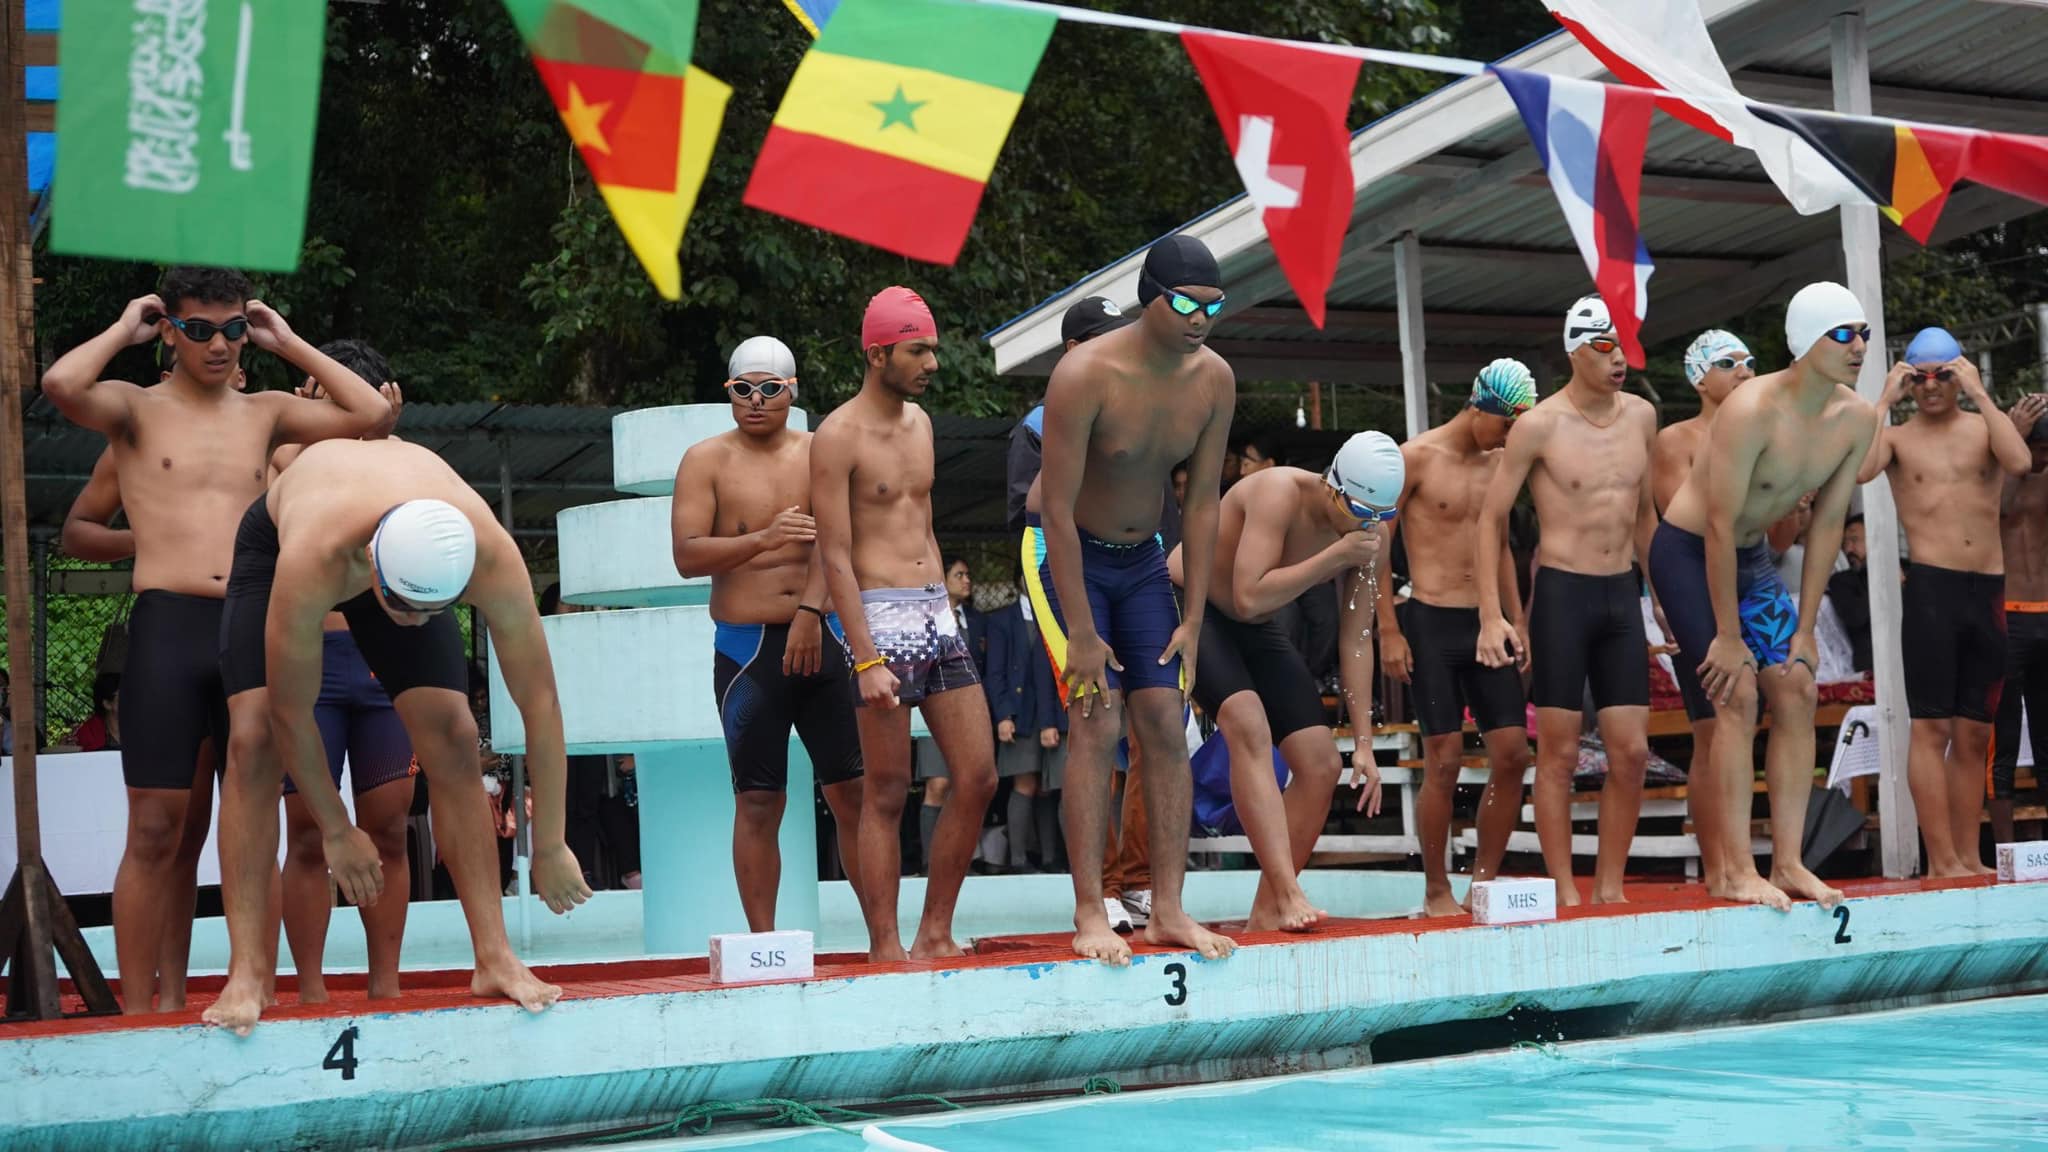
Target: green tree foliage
452 224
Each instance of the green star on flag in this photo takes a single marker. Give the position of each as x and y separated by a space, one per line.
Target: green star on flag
898 110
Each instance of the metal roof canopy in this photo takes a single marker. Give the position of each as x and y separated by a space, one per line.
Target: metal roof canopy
555 456
1497 263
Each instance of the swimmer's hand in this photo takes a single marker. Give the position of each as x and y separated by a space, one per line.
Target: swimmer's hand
1396 660
1894 386
1522 642
1182 642
790 526
1048 738
139 319
558 878
1354 549
1727 657
800 651
1499 644
1006 730
1805 650
352 858
877 685
266 327
1084 675
392 396
2025 413
1369 787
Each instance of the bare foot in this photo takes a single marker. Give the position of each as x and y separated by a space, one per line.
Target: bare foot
1179 930
887 952
1100 942
935 946
1442 904
312 991
384 988
1977 868
1800 884
1568 895
1603 896
1950 872
1750 889
1292 912
240 1003
511 980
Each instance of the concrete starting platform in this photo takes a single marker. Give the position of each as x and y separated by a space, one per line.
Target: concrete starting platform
635 1042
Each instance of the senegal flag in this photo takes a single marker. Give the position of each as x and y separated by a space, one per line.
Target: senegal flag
894 120
643 119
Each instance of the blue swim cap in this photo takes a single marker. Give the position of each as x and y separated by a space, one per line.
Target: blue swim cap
1933 346
1503 388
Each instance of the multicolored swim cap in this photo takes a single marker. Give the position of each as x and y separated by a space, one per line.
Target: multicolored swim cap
1708 347
1504 388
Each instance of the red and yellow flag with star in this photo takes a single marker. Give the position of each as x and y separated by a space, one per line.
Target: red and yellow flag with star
643 118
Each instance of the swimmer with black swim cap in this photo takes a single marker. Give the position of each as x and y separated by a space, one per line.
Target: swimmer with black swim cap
1947 468
1585 453
1776 438
1430 641
390 533
1120 411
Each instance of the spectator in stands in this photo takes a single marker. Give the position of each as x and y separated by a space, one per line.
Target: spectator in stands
1180 485
101 731
1849 592
1030 734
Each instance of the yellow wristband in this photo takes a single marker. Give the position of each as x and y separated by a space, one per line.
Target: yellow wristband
864 665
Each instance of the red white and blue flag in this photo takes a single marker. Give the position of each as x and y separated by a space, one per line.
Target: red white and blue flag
1590 138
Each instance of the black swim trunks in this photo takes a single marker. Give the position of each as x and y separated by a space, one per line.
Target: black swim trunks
401 657
1239 657
359 726
2026 684
1952 640
758 705
1448 677
1587 629
171 695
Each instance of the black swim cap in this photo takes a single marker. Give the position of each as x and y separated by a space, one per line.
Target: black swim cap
1177 261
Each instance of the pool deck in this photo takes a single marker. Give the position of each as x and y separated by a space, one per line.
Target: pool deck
636 1041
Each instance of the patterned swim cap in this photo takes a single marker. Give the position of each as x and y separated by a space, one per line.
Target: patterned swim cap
1503 388
1708 347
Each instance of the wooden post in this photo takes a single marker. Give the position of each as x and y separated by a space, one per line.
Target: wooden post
33 917
1863 258
1408 305
1315 405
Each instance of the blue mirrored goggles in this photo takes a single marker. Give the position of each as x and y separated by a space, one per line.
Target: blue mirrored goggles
1363 513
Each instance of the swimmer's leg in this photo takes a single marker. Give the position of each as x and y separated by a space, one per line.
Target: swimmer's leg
885 750
183 904
1155 714
1927 773
1314 765
382 812
1788 761
1703 754
1084 819
308 898
843 800
1557 758
1433 802
1968 750
757 853
248 861
958 719
1625 730
444 738
1721 799
1500 806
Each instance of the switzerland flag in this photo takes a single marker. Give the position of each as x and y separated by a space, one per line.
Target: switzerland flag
1282 110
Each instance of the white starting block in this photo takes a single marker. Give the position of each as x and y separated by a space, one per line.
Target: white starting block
754 957
2023 862
1522 901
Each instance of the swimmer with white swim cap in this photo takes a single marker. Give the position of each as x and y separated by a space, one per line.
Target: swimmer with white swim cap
1280 532
387 531
1585 454
1947 468
1430 641
742 516
1799 430
1716 363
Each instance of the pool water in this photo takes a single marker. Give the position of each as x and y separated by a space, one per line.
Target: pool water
1968 1076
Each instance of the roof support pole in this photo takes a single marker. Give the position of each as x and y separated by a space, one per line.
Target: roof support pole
1408 318
1863 259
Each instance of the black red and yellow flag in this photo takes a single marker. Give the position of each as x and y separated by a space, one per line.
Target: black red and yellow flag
1907 170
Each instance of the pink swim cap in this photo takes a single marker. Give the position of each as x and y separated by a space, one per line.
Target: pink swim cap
896 314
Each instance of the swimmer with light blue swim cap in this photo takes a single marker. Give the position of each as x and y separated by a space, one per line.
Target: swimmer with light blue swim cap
1932 347
1932 370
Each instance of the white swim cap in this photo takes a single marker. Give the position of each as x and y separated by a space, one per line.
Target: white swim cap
762 354
1708 347
1587 319
1816 309
1369 470
424 550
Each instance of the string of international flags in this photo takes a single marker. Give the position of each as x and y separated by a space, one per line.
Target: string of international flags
895 118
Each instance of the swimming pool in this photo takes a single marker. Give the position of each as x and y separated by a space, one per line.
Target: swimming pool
1964 1076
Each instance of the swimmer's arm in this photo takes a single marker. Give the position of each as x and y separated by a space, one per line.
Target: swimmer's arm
74 386
1510 593
1667 471
292 653
1824 540
353 408
832 505
1070 410
1355 656
2008 498
1258 587
1525 444
1205 499
505 600
86 532
1646 501
2007 446
693 515
1736 441
817 594
1383 599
